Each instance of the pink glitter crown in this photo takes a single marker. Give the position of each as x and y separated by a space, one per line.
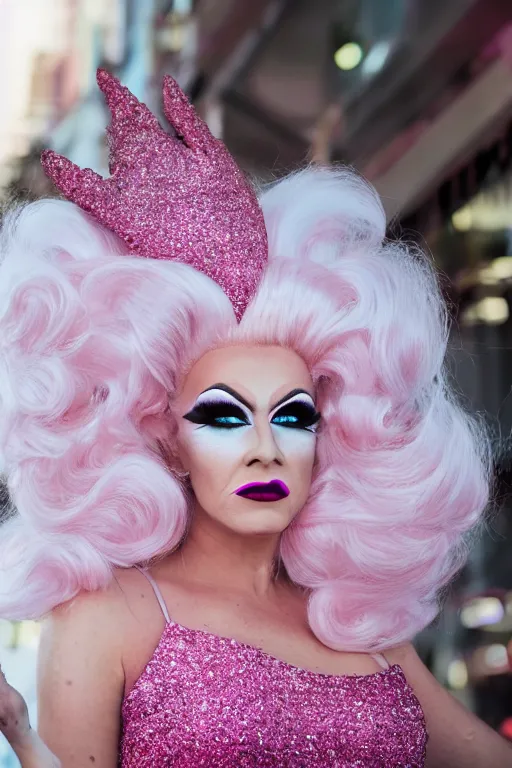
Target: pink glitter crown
171 197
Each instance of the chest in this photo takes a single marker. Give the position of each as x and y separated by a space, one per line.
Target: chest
281 631
205 700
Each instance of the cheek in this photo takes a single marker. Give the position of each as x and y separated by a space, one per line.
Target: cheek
213 451
299 450
298 447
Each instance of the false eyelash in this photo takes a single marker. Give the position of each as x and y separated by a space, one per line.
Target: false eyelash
306 415
205 413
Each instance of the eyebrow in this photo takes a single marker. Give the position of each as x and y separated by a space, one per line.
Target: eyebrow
238 396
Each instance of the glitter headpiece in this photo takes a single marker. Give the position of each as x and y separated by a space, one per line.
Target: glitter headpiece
171 197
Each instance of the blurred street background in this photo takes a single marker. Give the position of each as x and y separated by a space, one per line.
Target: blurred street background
416 94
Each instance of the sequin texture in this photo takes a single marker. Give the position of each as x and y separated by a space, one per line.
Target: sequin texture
172 197
204 700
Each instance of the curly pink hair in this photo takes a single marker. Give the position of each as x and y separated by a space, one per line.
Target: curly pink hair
95 344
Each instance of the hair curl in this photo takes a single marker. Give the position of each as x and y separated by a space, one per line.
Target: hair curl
95 344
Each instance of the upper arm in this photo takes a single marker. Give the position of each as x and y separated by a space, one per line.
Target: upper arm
81 682
457 738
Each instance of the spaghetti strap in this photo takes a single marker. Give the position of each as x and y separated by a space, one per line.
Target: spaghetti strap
381 660
157 592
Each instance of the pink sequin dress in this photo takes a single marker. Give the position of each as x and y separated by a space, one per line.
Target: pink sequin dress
205 700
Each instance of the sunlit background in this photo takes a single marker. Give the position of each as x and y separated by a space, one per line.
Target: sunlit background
416 94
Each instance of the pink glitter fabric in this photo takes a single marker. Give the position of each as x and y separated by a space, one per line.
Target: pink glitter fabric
205 700
172 197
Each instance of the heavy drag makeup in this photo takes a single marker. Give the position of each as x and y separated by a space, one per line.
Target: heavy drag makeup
221 407
248 436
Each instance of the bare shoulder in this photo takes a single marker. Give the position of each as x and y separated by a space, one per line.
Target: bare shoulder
83 633
457 738
91 616
403 654
84 659
102 620
80 679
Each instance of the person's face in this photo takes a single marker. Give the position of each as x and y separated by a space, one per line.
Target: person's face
246 416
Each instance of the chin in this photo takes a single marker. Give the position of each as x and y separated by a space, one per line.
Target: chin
262 519
255 531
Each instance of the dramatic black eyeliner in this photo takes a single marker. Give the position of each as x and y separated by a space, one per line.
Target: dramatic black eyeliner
209 414
305 415
295 415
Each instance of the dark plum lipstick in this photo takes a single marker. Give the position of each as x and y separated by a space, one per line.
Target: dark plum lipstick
275 490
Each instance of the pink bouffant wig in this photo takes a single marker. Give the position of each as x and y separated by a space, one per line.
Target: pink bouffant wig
95 344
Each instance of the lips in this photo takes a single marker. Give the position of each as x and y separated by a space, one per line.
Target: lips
275 490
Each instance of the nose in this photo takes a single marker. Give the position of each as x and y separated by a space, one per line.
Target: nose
264 448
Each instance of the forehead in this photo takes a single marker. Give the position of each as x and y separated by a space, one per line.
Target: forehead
256 372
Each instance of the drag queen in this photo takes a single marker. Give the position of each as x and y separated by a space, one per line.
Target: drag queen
239 478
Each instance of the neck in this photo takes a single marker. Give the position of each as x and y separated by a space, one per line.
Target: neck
224 559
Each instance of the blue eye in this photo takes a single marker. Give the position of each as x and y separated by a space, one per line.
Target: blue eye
297 415
285 419
218 415
229 421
